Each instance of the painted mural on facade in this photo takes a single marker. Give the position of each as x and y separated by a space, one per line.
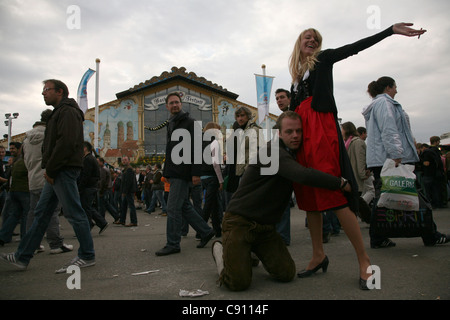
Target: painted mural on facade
118 131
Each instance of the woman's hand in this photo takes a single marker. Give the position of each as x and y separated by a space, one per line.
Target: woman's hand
405 30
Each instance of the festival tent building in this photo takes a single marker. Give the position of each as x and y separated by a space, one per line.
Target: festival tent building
133 125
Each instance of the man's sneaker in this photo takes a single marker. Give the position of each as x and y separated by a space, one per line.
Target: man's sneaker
206 239
443 239
77 261
387 243
166 251
64 248
40 249
103 229
11 259
217 253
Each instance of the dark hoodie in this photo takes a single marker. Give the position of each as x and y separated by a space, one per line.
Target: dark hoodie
63 142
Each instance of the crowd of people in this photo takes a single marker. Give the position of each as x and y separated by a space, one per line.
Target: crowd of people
324 167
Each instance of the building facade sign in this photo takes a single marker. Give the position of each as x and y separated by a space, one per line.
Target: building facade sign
155 103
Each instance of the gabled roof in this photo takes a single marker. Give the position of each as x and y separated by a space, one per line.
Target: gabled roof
177 73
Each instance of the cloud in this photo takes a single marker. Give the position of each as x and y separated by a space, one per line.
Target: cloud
224 41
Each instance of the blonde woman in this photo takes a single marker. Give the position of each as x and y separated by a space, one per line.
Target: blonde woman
323 149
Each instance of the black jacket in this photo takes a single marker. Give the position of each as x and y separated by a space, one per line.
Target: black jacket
63 141
129 182
90 173
187 169
319 85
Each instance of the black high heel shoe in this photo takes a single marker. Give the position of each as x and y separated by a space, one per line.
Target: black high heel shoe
363 284
307 273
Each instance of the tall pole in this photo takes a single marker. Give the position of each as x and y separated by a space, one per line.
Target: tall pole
267 106
97 73
8 122
9 130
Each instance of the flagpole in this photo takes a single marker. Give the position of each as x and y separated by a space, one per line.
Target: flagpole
265 115
97 61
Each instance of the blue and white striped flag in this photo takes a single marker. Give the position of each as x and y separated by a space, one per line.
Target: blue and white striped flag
263 89
82 90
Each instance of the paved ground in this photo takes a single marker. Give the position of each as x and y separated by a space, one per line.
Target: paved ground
410 271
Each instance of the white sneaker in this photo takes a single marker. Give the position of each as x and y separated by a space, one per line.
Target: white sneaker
217 252
62 249
10 258
40 249
77 261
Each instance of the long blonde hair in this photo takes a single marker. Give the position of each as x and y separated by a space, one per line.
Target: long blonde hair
298 65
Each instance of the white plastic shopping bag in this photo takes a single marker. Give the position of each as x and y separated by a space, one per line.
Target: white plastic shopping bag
399 187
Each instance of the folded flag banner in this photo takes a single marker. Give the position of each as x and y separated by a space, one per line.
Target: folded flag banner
263 88
82 90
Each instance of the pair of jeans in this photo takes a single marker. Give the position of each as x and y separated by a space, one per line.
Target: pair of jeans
213 206
376 239
128 201
284 226
179 207
87 197
330 223
241 237
433 190
54 238
157 195
63 191
196 195
148 196
117 201
16 208
105 202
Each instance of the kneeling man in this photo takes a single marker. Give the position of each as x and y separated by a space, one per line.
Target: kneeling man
258 204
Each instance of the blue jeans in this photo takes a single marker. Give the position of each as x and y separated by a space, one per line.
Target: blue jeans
330 223
148 195
105 202
65 191
128 201
157 194
376 239
213 207
87 197
284 226
17 207
196 194
433 190
117 201
54 238
179 207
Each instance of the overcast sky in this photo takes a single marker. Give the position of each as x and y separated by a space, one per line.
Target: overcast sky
226 42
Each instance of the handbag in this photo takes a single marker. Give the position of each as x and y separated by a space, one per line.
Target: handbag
398 190
394 223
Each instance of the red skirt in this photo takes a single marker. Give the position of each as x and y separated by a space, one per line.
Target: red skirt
319 150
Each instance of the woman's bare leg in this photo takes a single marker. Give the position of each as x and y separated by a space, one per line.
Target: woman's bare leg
350 224
315 229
